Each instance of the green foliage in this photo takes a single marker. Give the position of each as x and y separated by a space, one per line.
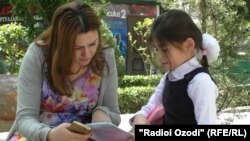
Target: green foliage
29 13
139 42
139 80
13 44
37 14
240 96
2 67
131 99
227 22
135 91
120 63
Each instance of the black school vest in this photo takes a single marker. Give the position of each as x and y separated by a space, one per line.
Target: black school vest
179 108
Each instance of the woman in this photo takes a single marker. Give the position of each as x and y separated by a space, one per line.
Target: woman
66 76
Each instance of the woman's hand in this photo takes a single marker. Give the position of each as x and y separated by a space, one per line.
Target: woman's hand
139 120
61 133
100 116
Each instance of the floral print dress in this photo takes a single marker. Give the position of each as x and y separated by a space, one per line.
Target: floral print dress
57 109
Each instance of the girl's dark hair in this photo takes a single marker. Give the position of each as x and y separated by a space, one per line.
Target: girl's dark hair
176 26
58 42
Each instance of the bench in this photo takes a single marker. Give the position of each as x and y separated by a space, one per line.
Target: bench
8 93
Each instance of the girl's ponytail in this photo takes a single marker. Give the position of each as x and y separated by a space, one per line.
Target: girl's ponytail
209 50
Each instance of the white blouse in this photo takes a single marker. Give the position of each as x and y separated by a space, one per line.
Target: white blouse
201 89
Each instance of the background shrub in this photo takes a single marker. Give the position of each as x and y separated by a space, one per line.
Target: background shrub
13 44
131 99
135 91
139 80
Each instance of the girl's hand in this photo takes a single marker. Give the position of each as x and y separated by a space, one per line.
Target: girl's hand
61 133
139 119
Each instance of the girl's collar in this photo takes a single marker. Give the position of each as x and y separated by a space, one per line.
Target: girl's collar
183 69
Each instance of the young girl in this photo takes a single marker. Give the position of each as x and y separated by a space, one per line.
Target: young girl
187 91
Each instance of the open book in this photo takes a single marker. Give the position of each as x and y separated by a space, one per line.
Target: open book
106 131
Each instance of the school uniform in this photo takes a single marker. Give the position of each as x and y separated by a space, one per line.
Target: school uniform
192 102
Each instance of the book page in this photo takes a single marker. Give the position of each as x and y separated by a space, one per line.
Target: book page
106 131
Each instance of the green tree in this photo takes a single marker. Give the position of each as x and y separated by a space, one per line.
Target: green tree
227 21
138 41
13 44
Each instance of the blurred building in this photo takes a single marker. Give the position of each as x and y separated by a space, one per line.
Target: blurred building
121 17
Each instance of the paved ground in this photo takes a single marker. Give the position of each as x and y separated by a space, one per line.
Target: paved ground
240 117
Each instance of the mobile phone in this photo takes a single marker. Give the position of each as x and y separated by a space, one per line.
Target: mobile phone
79 127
